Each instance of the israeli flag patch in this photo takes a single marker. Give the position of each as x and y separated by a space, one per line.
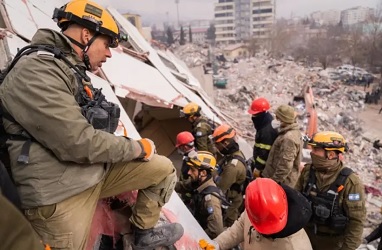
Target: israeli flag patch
354 197
210 210
199 133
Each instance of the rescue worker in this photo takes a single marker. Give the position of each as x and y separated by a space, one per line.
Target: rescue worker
285 156
273 219
201 130
207 199
233 170
70 157
185 145
336 193
265 134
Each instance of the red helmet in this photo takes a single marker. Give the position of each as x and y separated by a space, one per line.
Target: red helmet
259 105
266 205
184 138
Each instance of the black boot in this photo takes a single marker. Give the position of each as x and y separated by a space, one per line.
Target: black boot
161 236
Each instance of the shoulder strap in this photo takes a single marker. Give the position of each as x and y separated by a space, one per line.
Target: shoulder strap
341 179
215 191
240 158
311 181
57 53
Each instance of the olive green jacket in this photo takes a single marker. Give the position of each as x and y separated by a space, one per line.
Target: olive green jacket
69 156
285 156
201 131
211 204
355 210
234 172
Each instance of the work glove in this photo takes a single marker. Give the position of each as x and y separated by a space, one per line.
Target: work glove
148 149
205 245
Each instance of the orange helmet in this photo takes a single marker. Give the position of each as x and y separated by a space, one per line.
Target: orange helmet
259 105
184 138
266 205
222 132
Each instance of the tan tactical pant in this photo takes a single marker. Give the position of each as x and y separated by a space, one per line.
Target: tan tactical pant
66 225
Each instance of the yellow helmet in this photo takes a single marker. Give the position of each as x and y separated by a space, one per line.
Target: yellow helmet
89 15
204 160
190 109
330 141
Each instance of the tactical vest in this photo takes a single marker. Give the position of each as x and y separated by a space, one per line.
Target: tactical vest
200 213
208 134
100 113
325 205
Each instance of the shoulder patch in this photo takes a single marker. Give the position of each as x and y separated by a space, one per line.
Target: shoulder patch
199 133
354 197
234 161
207 197
354 179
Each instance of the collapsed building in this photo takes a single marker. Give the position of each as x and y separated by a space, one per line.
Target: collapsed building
152 86
149 86
282 82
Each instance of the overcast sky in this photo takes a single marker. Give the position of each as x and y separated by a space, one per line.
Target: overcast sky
203 9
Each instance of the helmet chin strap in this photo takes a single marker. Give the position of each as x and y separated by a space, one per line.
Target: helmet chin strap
85 49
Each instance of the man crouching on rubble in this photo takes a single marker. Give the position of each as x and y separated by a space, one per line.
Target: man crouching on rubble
68 159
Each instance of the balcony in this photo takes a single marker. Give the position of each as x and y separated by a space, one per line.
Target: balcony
224 25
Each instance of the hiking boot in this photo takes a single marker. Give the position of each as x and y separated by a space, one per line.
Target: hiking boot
161 236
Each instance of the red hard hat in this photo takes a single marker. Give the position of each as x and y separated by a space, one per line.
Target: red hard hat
259 105
266 205
184 138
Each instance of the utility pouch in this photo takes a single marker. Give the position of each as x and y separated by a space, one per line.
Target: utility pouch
339 222
100 113
322 213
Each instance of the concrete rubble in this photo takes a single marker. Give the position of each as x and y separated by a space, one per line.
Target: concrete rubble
279 81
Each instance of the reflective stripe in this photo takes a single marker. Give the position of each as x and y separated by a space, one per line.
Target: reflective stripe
263 146
260 160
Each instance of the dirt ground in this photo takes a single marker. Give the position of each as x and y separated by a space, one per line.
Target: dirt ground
372 122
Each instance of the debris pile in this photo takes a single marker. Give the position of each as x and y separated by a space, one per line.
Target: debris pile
336 104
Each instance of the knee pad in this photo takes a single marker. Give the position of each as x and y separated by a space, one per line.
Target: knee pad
162 192
168 188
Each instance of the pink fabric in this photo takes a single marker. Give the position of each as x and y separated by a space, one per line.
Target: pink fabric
104 220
